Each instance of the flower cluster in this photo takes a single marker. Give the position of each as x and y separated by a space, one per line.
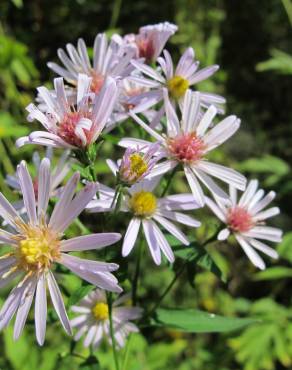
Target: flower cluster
130 81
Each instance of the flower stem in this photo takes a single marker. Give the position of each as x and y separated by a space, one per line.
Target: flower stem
168 288
112 334
177 275
136 275
168 182
126 355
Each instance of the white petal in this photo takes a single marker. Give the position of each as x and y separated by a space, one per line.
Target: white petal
267 214
216 209
179 217
58 303
206 121
152 241
170 227
163 243
223 173
87 242
40 312
131 236
26 185
23 309
264 248
44 186
251 253
64 201
223 234
249 193
209 183
195 186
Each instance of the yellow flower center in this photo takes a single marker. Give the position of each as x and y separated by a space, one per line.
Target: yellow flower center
177 86
138 165
143 203
100 311
38 249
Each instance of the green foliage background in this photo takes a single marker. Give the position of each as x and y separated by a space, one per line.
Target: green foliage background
251 40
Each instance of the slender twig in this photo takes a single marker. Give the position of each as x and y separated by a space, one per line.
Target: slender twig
168 182
168 288
112 334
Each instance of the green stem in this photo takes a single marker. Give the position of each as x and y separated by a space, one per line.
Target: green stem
115 13
168 288
126 355
177 275
168 182
136 275
112 334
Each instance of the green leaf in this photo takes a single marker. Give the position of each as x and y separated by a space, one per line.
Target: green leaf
266 164
79 294
198 255
285 247
273 273
196 321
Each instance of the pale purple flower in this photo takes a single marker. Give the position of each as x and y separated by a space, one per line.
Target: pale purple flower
37 246
147 212
58 174
246 220
131 98
150 40
109 60
93 320
136 165
177 81
72 126
187 142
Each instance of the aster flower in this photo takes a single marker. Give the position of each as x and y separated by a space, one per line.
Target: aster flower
109 60
150 40
58 174
188 142
71 126
177 81
93 321
147 211
131 98
245 219
135 165
37 246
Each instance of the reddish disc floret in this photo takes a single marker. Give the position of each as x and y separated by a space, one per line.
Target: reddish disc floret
239 219
186 147
67 129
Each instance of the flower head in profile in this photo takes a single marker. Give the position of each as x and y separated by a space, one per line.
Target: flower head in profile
71 125
58 174
177 81
93 321
109 60
38 246
150 40
246 220
188 142
147 212
136 165
131 97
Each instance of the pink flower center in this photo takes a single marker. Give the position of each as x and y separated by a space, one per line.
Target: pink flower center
146 48
186 147
35 185
67 128
96 82
238 219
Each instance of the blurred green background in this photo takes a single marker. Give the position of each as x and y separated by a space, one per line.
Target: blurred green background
251 41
